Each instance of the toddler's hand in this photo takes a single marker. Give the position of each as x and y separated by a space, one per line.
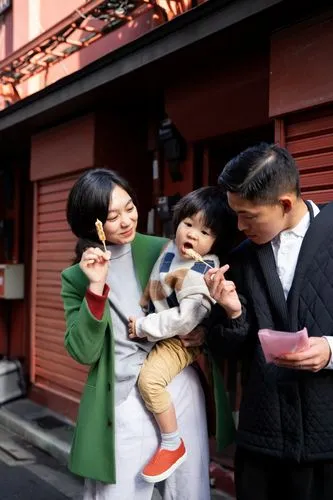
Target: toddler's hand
132 327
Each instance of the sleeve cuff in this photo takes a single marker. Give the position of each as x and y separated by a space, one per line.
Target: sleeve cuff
234 323
96 303
329 365
138 328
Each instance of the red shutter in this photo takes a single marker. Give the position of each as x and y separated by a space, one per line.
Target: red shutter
309 137
52 368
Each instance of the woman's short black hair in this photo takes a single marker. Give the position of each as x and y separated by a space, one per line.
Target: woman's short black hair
89 200
218 216
261 173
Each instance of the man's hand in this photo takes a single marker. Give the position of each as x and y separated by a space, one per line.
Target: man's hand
196 338
132 328
223 291
315 358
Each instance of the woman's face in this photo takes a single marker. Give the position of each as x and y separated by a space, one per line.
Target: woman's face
120 226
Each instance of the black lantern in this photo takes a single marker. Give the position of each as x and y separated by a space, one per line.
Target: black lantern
174 148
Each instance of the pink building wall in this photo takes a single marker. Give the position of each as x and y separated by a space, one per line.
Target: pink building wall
6 34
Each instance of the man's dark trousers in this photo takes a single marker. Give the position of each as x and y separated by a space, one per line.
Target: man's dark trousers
260 477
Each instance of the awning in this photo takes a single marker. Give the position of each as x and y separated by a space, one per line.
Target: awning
84 26
183 31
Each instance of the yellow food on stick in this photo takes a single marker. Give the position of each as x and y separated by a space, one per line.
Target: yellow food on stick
196 256
100 232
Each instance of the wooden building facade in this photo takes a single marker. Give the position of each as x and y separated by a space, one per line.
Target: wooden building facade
225 74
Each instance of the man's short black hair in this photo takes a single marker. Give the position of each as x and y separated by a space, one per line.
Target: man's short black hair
261 173
218 216
89 200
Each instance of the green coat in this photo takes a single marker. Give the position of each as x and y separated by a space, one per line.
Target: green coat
91 342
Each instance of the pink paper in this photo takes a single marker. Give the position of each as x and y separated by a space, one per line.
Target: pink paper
275 343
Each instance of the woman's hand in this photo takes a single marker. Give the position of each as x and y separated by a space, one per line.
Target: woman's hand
94 263
223 291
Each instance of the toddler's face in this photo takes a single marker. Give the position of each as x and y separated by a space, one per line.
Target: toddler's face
192 233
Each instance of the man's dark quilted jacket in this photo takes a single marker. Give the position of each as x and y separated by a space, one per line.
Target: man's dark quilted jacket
284 413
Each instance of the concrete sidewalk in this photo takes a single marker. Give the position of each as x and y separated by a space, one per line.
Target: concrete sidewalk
26 472
52 433
40 426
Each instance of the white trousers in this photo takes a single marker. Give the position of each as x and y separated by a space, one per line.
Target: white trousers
137 439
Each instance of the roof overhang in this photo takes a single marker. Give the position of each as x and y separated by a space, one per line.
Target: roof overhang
183 31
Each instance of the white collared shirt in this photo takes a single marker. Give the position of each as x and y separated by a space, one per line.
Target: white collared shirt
286 247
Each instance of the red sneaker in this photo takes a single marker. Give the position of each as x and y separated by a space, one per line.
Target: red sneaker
164 463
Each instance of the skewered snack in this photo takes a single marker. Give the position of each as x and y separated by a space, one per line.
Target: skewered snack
196 256
100 232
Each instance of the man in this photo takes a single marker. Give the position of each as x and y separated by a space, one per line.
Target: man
284 272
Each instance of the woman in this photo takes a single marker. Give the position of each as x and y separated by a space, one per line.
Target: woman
114 434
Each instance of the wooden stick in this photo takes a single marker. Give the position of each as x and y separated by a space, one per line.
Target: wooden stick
196 256
100 232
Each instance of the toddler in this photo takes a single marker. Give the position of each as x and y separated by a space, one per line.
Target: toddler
178 300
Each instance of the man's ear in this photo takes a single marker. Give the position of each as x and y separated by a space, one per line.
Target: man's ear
286 203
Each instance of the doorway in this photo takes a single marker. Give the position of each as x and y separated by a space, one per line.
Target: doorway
220 150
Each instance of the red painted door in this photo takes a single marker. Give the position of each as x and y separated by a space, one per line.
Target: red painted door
52 368
309 137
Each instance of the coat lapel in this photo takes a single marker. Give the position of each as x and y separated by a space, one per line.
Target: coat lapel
267 265
314 237
145 250
140 262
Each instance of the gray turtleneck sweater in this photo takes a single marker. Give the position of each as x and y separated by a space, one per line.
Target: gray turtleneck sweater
124 297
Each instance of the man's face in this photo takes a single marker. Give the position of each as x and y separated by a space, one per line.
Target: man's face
259 222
